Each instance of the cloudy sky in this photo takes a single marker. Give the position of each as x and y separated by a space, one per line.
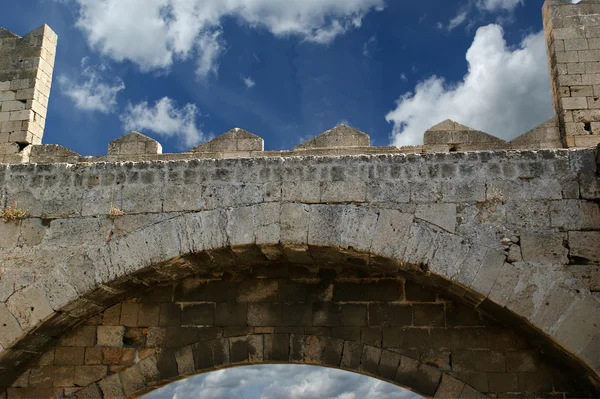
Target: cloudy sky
183 71
281 382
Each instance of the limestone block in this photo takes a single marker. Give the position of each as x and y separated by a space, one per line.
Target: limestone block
29 306
540 136
585 246
442 215
233 140
339 136
110 336
583 313
539 247
455 135
111 387
134 143
450 388
587 275
52 153
10 331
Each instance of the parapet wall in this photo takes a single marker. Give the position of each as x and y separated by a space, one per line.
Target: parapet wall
445 137
573 44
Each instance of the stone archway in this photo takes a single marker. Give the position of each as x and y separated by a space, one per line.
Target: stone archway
493 232
340 314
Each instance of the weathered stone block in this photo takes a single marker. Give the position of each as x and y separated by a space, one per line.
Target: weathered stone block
110 336
544 248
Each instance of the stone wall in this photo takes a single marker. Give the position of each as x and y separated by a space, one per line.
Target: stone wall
573 43
375 324
512 234
26 66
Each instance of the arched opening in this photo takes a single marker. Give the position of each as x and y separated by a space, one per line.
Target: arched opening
276 381
343 309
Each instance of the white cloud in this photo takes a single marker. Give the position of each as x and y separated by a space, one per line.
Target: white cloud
282 381
505 92
164 31
496 5
457 21
165 119
367 46
249 82
91 92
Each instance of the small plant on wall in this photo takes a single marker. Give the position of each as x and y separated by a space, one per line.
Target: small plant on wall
12 213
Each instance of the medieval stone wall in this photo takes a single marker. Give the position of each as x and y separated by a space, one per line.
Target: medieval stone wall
511 234
371 323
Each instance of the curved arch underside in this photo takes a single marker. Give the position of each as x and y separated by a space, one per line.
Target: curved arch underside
379 321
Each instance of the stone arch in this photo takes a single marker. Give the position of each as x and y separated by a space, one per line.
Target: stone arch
375 323
366 239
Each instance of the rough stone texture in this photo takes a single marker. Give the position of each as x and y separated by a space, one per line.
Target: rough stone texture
234 140
134 143
450 136
249 266
339 136
414 352
26 66
572 42
546 135
442 272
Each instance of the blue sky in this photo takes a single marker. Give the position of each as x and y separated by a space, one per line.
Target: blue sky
184 71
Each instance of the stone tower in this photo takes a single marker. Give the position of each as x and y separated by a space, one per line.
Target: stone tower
26 65
573 42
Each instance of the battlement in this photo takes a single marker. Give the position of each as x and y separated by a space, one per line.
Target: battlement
573 43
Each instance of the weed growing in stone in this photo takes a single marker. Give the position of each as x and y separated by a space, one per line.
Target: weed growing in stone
12 213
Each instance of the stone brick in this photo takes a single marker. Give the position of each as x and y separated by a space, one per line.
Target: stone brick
10 330
326 315
110 336
231 314
264 314
388 365
296 315
129 314
178 336
544 248
132 380
63 376
69 356
473 361
111 387
353 315
400 337
370 358
381 291
429 315
93 356
112 316
170 315
85 375
450 388
148 314
276 347
82 336
394 315
258 291
351 355
198 315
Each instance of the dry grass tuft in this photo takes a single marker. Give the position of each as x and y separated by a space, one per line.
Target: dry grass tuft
12 213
